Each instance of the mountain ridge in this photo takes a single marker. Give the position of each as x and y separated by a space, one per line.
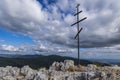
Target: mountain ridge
40 61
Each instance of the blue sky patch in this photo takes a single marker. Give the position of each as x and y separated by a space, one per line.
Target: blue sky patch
11 38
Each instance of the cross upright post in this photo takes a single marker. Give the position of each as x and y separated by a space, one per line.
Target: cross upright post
78 30
78 34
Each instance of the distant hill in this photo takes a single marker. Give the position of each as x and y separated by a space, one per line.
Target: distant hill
38 61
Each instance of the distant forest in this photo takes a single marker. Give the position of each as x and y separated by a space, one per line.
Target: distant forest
40 61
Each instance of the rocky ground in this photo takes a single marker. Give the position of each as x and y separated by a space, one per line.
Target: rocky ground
61 71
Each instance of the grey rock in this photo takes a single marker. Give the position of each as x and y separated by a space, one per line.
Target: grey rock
62 66
91 67
68 64
9 78
28 72
41 76
9 71
60 71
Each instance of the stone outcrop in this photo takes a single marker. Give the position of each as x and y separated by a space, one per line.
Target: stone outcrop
28 72
9 72
61 71
62 66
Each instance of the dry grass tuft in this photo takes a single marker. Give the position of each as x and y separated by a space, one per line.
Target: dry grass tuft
71 69
80 68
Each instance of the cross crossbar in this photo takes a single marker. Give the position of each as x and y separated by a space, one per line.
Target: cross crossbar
79 21
78 13
78 33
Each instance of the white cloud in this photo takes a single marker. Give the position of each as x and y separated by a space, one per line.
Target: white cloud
101 53
49 26
9 48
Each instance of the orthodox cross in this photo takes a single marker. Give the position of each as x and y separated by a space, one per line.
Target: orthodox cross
78 30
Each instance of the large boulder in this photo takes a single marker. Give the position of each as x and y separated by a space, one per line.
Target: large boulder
62 66
55 66
68 64
28 72
14 71
9 71
41 75
91 68
3 72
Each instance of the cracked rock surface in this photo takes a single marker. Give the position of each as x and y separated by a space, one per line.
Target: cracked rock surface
61 71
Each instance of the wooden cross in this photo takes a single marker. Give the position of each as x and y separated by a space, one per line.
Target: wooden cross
78 30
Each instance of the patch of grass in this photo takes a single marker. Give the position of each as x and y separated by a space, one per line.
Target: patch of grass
71 69
21 74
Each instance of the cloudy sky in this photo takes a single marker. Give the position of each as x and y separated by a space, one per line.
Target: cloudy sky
43 27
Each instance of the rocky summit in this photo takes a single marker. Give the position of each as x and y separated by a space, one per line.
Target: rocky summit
61 71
